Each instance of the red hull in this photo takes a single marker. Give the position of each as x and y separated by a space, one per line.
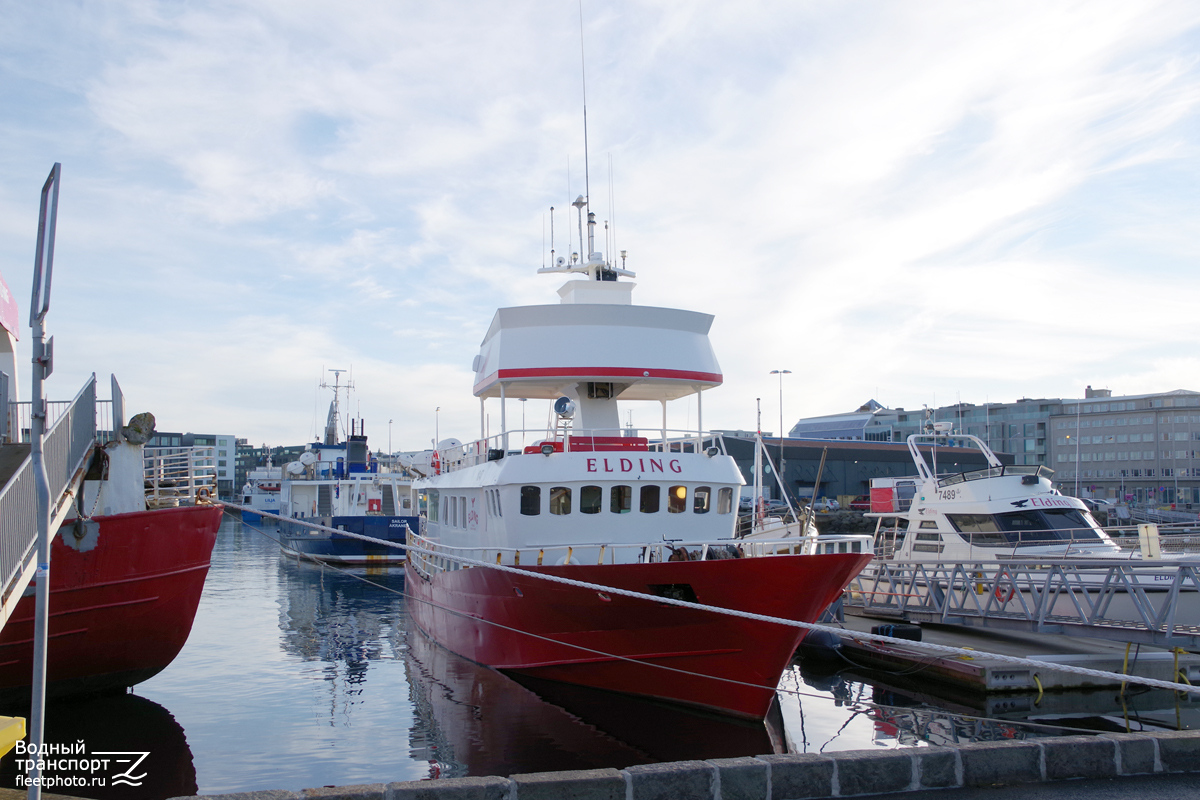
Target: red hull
119 612
715 661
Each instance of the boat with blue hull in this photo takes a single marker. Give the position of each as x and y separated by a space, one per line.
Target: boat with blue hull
341 486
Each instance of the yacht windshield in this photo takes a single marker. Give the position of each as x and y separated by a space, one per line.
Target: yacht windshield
1026 528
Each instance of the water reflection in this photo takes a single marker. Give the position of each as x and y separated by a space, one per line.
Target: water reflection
122 723
477 721
904 710
346 619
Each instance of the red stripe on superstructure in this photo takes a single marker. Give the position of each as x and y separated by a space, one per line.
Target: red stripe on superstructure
600 372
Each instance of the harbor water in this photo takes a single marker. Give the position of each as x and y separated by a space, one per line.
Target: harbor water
298 675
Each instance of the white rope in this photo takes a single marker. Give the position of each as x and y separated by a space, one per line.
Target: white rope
928 646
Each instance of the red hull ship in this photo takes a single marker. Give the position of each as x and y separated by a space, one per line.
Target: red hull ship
119 612
595 500
125 578
575 635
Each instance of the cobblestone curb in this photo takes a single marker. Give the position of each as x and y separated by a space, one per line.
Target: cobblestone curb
803 776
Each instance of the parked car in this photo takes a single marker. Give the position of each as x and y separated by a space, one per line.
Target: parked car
861 503
773 508
827 504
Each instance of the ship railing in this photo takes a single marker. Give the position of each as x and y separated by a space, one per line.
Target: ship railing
68 442
445 558
995 472
177 476
567 440
20 425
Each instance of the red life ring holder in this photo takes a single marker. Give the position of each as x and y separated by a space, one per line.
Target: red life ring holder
1004 593
435 463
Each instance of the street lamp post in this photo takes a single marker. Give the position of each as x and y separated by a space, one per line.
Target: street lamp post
781 373
389 439
1078 408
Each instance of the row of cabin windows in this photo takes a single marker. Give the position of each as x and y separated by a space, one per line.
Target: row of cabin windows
620 499
447 509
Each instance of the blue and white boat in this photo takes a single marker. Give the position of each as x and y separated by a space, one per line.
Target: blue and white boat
260 494
340 485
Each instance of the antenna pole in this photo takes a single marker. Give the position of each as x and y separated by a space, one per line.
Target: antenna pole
587 188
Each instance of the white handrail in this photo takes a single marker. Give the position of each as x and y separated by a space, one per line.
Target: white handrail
179 475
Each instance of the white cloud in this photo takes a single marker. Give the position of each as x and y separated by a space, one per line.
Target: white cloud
991 199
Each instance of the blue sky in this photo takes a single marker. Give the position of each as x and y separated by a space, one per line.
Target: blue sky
916 202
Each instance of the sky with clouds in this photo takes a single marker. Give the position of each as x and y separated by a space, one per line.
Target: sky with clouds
913 202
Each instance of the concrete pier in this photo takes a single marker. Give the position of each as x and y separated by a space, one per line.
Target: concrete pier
1117 756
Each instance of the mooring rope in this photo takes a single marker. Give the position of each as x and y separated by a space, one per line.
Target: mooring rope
925 646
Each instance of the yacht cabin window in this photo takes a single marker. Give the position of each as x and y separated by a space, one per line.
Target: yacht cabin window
724 500
649 503
591 498
677 499
1026 528
621 500
560 500
701 498
531 500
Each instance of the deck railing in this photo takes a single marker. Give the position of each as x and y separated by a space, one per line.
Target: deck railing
445 558
566 440
20 420
179 475
69 439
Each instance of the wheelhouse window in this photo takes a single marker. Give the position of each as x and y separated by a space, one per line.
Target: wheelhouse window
724 500
431 503
701 499
621 499
677 499
591 498
531 500
560 500
649 500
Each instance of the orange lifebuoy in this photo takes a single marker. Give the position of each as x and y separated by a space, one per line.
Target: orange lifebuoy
435 463
999 590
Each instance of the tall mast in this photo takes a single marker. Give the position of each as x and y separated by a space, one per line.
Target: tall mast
331 422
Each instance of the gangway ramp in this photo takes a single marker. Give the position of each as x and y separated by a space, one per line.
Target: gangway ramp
1133 601
67 450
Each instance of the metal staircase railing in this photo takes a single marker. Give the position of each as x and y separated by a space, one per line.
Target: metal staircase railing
67 448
